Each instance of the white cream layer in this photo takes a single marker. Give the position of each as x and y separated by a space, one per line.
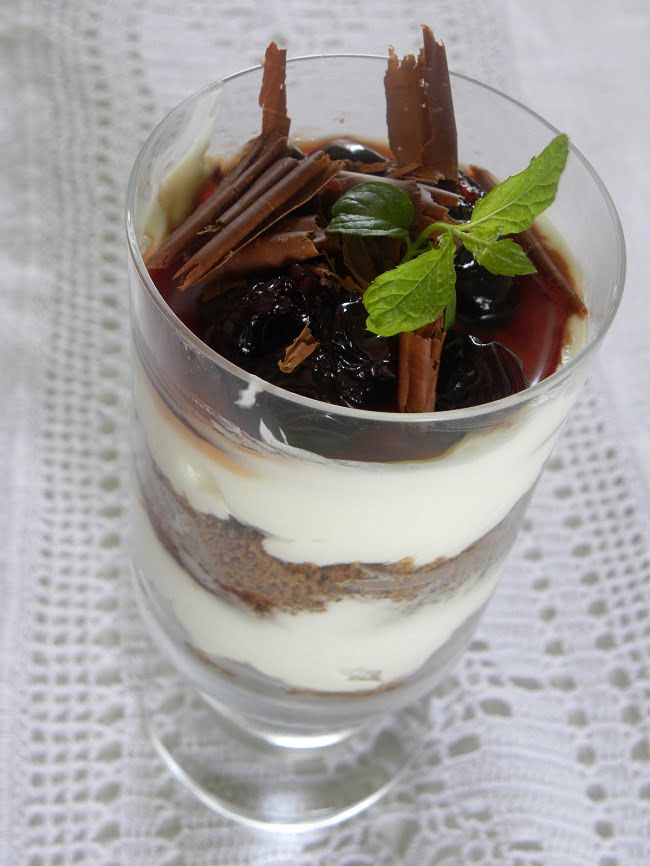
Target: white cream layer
331 511
353 645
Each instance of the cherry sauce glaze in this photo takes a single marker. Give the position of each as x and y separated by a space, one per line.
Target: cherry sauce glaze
508 332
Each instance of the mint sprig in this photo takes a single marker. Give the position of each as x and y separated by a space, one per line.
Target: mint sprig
513 204
373 209
422 287
499 256
412 294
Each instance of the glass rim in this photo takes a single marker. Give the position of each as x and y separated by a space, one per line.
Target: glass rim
449 415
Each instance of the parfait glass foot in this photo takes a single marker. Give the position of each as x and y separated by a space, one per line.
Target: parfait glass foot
268 779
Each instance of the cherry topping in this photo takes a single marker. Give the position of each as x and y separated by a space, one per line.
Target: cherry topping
252 325
351 365
469 191
294 151
472 372
343 148
468 188
461 211
247 322
483 298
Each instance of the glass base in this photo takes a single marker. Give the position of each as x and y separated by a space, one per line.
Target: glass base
268 780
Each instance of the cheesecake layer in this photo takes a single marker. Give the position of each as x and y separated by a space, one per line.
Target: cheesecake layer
354 644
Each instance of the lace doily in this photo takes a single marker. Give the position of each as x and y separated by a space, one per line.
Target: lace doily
537 753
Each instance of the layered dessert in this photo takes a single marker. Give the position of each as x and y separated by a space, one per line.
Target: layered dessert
304 518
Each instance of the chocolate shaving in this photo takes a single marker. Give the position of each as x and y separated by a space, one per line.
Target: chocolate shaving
420 111
264 207
295 239
431 208
324 274
444 197
301 348
262 152
402 170
390 169
352 286
270 178
347 179
273 93
419 365
367 167
546 260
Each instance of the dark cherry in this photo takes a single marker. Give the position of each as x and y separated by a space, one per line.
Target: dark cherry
469 190
353 366
248 322
462 211
344 148
294 150
251 325
472 372
482 298
350 366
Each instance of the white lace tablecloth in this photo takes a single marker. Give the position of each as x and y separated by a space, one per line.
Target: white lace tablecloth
539 753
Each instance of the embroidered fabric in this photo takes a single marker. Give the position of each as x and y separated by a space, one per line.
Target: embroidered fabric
538 749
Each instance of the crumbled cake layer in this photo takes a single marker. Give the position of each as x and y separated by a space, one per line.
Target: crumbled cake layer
229 558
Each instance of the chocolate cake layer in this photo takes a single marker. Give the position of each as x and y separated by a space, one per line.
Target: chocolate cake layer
229 558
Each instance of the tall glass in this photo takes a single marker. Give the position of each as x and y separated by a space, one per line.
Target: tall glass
311 570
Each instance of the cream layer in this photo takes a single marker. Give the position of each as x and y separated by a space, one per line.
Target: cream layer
327 511
354 644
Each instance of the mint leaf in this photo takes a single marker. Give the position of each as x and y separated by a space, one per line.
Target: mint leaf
423 286
504 256
512 206
413 294
373 208
450 309
359 260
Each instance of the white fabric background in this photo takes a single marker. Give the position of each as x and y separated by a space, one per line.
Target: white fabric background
539 754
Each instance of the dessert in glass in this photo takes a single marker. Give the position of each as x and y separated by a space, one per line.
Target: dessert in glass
322 511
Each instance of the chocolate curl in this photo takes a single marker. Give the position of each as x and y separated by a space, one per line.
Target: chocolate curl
263 152
295 239
389 168
367 167
444 197
440 142
325 275
402 170
266 149
265 205
420 110
301 348
270 178
273 93
419 365
431 208
347 179
545 260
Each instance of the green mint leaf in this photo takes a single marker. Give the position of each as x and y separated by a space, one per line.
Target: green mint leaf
504 256
361 260
450 309
355 224
512 206
373 208
413 294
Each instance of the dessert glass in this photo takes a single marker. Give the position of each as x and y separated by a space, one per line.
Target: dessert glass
309 571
